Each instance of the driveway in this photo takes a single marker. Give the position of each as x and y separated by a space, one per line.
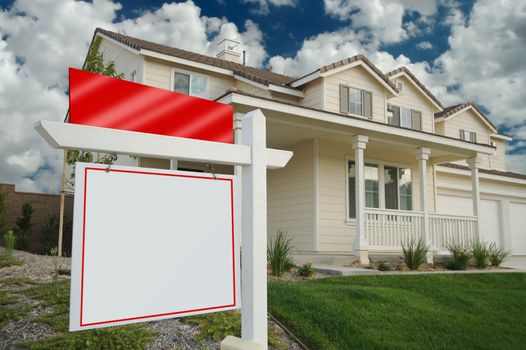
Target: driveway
516 262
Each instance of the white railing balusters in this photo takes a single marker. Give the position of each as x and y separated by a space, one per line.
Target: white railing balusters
386 229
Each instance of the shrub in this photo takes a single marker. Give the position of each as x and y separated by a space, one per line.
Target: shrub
48 235
279 254
217 325
415 253
24 227
306 270
480 253
3 206
9 239
460 256
384 266
497 255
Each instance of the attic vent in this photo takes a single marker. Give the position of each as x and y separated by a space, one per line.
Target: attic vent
400 86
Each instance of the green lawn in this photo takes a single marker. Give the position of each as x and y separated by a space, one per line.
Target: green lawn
468 311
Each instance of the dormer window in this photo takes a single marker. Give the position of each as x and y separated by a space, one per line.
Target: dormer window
467 135
405 117
356 101
190 84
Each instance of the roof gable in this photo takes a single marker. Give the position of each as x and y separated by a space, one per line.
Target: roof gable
403 71
338 66
456 110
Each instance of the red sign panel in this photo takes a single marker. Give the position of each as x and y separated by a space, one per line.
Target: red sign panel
107 102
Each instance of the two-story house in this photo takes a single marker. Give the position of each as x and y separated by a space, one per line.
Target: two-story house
378 159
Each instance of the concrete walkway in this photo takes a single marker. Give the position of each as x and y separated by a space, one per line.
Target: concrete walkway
512 264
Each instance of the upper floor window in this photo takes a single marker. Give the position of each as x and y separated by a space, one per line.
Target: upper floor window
356 101
190 84
133 76
467 135
405 117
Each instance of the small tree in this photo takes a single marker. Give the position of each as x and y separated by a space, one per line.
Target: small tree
3 217
24 227
94 64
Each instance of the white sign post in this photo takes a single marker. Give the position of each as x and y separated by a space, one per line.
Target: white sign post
139 301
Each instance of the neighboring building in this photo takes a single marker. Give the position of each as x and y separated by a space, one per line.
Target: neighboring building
377 158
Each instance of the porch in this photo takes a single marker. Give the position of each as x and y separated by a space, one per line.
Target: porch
321 201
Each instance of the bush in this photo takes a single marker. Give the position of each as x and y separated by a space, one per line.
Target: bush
3 206
306 270
279 254
384 266
48 235
480 253
415 253
460 256
24 227
9 239
497 255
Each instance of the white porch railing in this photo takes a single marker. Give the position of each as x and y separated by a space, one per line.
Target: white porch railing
386 229
444 229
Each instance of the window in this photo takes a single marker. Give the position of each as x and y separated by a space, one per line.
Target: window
133 76
405 117
372 194
467 135
190 84
396 183
356 101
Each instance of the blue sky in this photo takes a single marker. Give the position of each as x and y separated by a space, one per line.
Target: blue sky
462 50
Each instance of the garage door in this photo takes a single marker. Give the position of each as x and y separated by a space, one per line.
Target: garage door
489 214
518 228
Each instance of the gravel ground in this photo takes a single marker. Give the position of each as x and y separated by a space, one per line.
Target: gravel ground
171 334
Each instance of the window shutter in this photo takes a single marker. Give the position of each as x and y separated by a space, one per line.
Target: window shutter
368 104
396 115
344 99
416 120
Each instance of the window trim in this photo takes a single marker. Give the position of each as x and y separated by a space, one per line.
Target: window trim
189 73
389 105
362 90
381 183
471 132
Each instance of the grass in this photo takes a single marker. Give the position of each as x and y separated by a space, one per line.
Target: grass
468 311
8 262
54 297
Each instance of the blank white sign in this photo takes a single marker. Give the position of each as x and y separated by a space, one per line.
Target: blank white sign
151 244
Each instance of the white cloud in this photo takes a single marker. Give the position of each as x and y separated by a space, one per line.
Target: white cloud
40 39
424 45
263 6
384 18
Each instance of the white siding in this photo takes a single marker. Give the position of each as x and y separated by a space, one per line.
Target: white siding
125 61
313 94
291 198
468 120
410 97
359 78
498 161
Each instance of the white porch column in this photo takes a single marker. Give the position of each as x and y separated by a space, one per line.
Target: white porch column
360 244
422 156
474 164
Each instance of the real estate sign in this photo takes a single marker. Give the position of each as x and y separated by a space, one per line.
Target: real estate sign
151 244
